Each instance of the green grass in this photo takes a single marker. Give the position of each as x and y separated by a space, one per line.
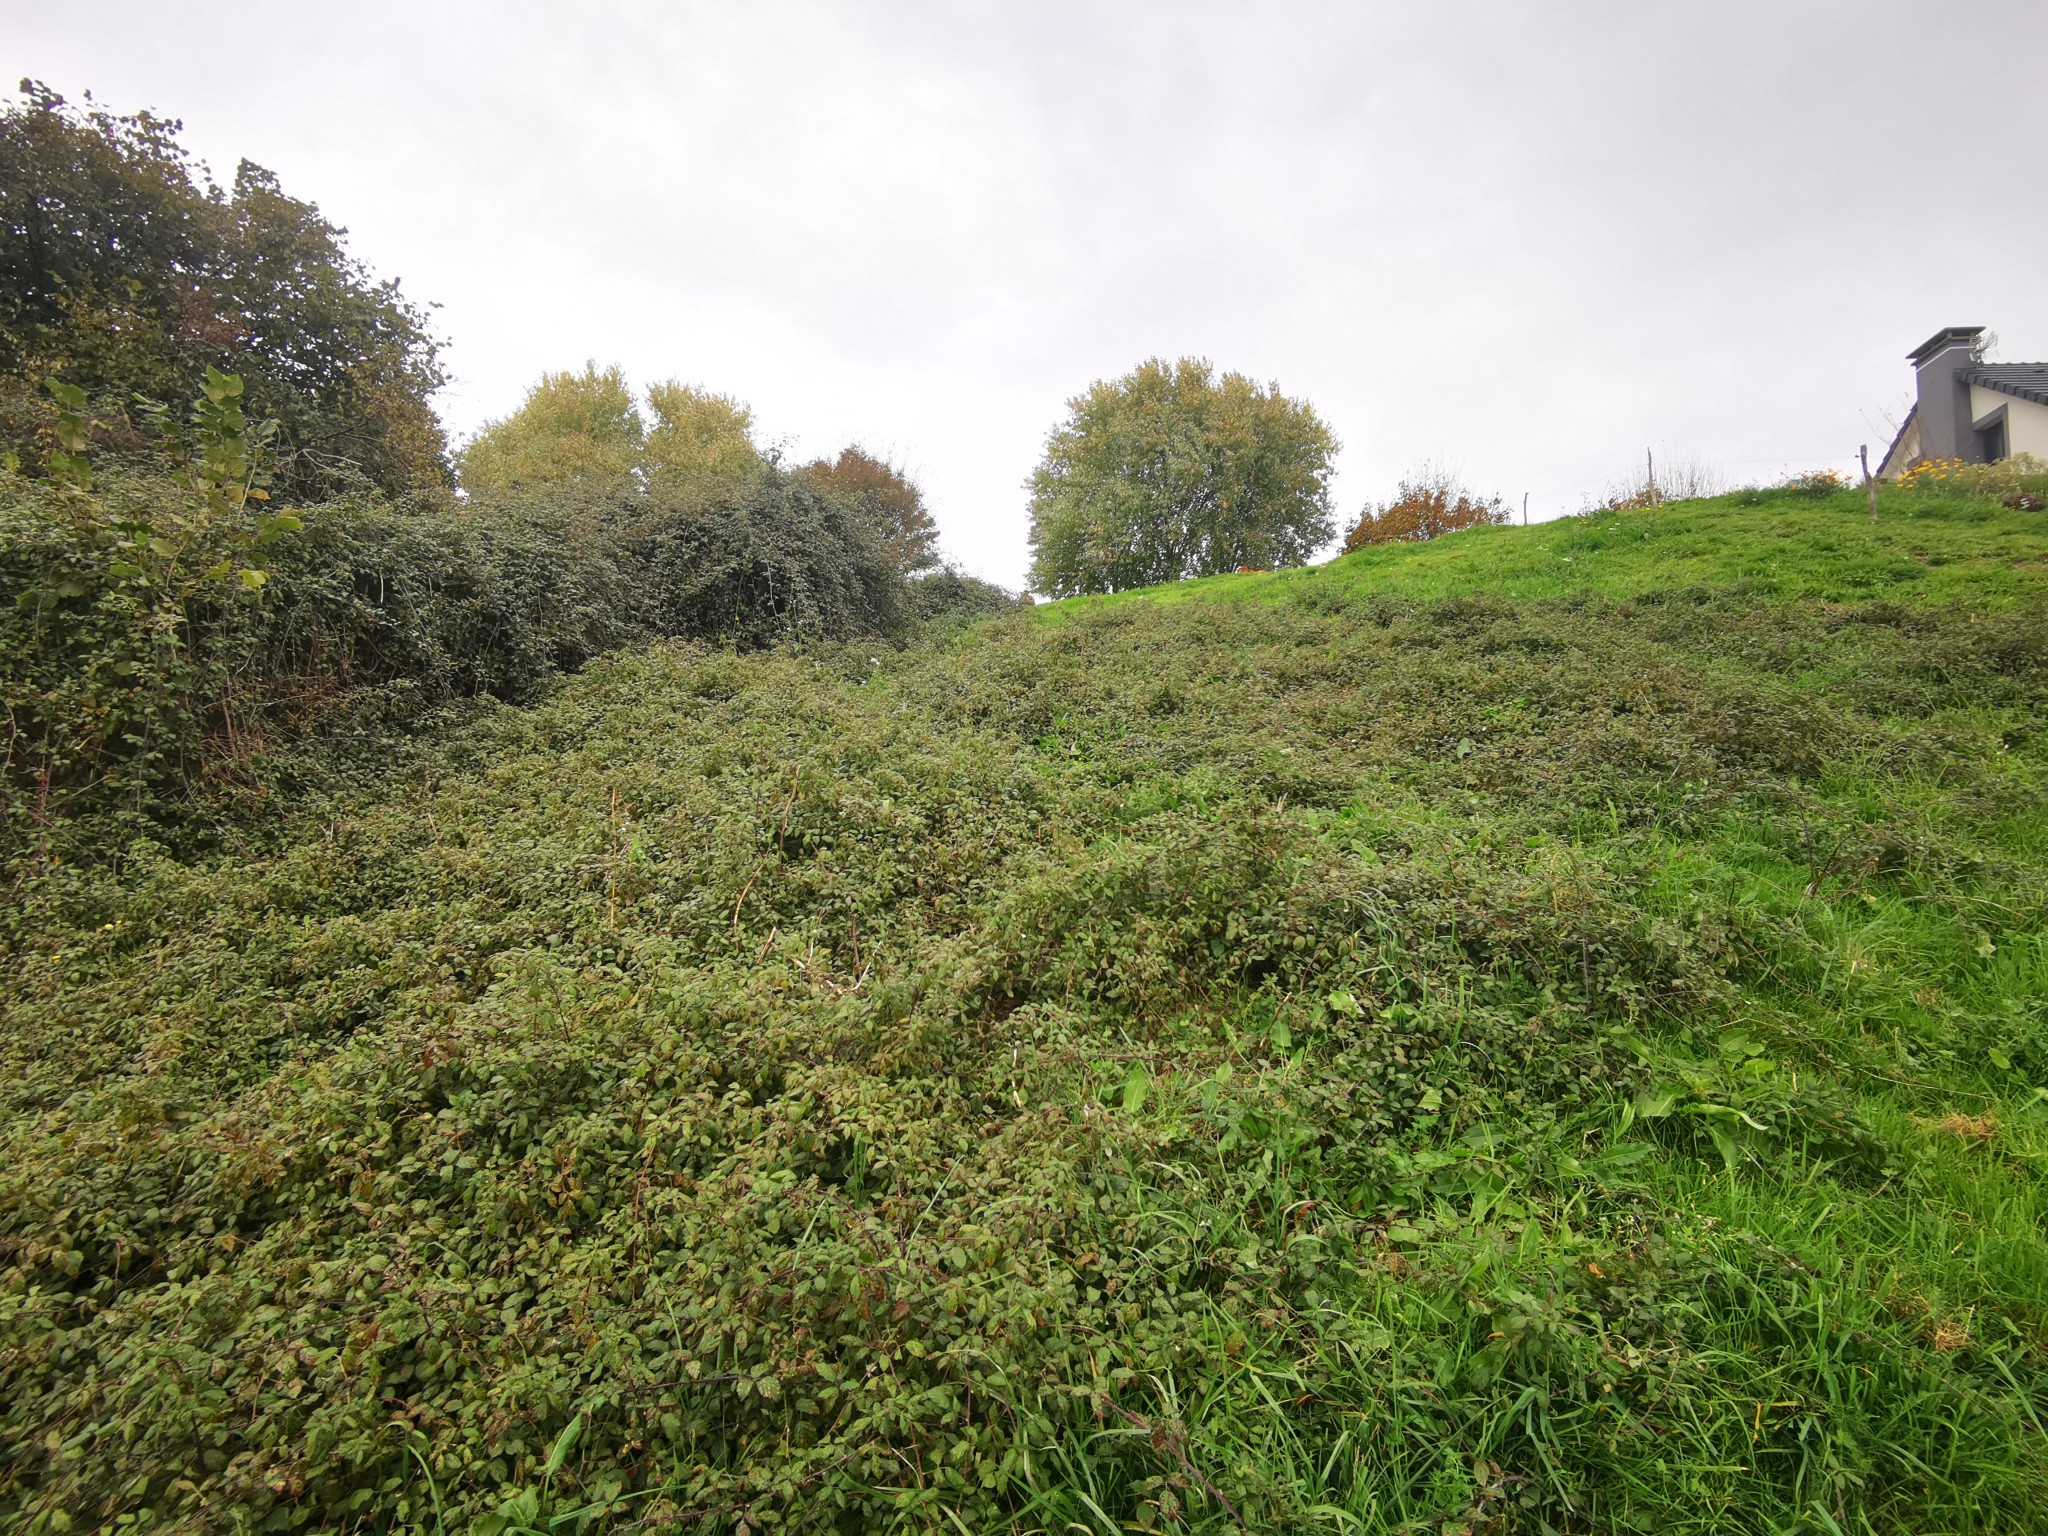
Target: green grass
1925 550
1466 1041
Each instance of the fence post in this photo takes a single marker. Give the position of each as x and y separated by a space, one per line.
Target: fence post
1869 485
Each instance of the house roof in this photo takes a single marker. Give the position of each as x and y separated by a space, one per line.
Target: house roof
1884 464
2026 381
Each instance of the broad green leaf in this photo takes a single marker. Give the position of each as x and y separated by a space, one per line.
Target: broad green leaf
1136 1086
1657 1102
565 1442
1731 1154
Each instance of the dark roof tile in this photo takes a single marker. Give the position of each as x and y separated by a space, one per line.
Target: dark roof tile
2025 381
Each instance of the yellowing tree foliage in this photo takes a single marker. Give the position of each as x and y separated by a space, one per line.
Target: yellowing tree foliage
699 437
588 426
571 426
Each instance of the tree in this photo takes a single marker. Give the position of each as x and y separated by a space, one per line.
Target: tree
571 426
1426 505
124 270
700 439
587 426
888 499
1170 472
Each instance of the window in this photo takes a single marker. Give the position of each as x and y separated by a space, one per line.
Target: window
1991 444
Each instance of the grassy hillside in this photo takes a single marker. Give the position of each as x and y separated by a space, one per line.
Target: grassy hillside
1538 1032
1773 545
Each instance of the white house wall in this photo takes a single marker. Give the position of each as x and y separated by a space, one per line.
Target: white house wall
2026 424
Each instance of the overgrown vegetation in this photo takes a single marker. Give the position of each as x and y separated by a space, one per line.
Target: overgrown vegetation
165 634
638 998
1538 1030
125 272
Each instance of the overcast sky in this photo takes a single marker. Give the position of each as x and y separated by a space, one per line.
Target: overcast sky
1528 240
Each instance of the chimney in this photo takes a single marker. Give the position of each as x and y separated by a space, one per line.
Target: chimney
1944 411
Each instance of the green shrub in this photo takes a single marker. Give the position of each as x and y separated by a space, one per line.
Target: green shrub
127 693
950 597
454 603
775 562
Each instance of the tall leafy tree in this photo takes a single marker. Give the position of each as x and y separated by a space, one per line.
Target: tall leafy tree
1172 472
571 426
124 270
699 440
889 501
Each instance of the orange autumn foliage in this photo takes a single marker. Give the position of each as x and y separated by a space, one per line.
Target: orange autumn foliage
1424 510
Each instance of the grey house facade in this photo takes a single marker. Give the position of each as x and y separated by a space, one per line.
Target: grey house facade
1969 409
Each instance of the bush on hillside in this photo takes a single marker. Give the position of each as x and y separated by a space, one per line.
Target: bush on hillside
159 628
774 562
950 596
1426 505
458 605
749 563
121 692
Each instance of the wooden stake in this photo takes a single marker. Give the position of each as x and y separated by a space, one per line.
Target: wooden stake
1525 509
1869 485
